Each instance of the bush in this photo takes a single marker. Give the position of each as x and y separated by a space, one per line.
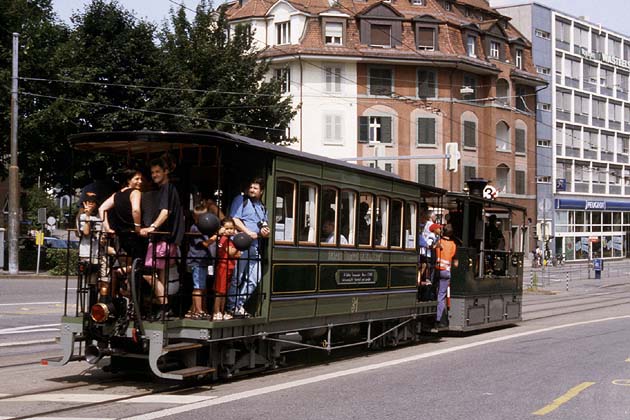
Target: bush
56 261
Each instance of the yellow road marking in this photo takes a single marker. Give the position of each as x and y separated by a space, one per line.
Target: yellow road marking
572 393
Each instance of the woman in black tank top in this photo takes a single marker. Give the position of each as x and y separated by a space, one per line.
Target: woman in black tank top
121 214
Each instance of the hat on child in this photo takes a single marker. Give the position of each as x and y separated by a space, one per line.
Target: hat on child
434 227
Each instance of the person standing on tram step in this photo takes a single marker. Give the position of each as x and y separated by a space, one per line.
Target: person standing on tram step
250 216
445 260
170 219
426 241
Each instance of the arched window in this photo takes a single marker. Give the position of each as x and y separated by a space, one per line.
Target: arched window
469 130
520 137
503 136
503 178
503 92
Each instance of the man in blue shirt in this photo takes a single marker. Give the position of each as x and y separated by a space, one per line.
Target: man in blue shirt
249 216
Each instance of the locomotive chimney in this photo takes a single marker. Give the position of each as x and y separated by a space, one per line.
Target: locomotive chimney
476 186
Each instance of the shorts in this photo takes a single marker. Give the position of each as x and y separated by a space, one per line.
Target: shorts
199 276
160 254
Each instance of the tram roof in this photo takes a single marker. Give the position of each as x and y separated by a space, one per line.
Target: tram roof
489 205
138 142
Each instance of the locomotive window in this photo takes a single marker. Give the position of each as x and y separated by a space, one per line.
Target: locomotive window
395 237
347 216
366 216
381 223
307 205
329 227
410 224
284 220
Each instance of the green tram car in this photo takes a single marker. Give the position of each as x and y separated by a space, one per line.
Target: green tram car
354 286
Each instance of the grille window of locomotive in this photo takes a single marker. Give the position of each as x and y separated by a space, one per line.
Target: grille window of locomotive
336 264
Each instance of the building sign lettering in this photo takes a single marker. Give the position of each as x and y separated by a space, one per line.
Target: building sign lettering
595 205
610 59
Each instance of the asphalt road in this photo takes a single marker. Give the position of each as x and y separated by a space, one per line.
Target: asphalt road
563 366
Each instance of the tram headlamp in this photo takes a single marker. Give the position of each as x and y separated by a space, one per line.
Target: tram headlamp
100 312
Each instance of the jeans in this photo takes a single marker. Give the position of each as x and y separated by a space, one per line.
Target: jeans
199 276
445 278
245 278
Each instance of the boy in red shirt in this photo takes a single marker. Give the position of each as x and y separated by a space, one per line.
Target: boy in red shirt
227 257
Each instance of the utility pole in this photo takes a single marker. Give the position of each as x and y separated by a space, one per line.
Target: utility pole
14 181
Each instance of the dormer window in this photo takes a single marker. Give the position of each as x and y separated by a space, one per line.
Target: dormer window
518 58
381 36
495 49
333 33
447 6
283 33
427 39
418 2
471 42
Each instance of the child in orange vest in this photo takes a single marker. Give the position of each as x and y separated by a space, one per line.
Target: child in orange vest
445 253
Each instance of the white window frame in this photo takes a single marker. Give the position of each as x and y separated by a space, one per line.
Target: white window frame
336 38
495 48
542 34
543 70
519 58
332 79
543 106
283 33
284 74
471 43
333 129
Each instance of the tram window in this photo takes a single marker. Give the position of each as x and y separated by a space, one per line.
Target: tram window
366 215
410 224
347 216
308 213
381 222
284 211
328 228
395 237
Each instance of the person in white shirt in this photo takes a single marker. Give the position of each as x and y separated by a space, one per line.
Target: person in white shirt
328 233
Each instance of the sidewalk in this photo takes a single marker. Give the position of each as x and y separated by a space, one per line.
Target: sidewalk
576 276
30 275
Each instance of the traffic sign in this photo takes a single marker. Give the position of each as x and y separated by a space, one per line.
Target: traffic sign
39 238
489 192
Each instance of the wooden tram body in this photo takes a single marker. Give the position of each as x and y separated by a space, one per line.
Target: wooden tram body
312 294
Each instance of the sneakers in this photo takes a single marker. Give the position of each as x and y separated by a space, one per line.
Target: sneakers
240 312
217 317
227 316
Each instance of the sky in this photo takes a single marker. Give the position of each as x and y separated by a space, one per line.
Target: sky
612 14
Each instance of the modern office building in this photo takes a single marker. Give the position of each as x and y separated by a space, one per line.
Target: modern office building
583 126
402 78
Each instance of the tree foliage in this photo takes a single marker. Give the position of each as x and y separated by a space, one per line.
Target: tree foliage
227 78
109 70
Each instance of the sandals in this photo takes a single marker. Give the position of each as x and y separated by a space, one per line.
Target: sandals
197 315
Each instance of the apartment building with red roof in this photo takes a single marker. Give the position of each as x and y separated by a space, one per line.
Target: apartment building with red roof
392 82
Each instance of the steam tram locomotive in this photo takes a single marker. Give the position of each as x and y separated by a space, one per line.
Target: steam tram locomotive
322 289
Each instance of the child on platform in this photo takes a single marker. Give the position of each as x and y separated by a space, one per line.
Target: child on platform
198 261
227 256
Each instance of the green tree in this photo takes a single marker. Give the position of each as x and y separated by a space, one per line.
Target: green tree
225 77
41 131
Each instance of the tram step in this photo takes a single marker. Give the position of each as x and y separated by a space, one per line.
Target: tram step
180 347
192 371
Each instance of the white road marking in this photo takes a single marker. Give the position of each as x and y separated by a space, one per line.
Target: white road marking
170 399
99 398
325 377
30 328
30 331
26 327
28 343
61 418
29 303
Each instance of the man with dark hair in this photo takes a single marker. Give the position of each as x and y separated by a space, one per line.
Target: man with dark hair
170 219
250 216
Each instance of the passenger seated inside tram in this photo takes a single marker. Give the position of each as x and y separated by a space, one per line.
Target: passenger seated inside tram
328 231
494 237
